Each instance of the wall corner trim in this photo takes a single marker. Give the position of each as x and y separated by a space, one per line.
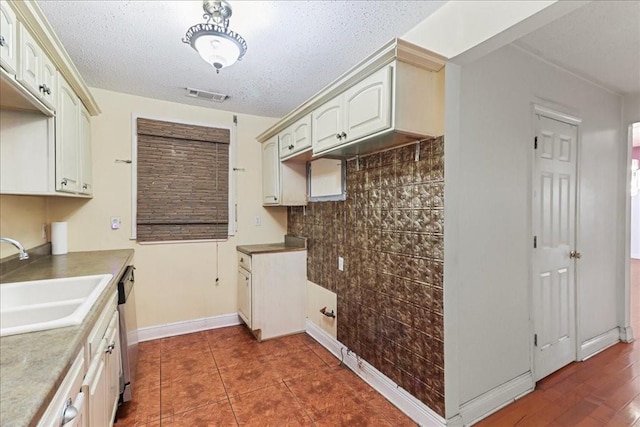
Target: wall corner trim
597 344
188 326
404 401
496 398
626 334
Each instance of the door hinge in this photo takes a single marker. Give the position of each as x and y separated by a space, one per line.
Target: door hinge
535 340
535 242
535 143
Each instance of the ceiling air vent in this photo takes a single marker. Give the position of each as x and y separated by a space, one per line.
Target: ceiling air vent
206 95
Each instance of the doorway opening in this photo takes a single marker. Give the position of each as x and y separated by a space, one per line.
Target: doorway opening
634 228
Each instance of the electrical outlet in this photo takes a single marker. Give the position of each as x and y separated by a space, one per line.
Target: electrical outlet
258 221
115 222
340 263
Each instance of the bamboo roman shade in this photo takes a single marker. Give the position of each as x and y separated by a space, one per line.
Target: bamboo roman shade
183 181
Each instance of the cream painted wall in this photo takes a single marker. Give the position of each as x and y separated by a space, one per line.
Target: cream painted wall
175 282
21 218
489 133
318 297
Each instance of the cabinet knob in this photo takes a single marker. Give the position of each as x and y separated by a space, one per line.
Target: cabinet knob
338 136
47 90
344 135
42 88
64 181
85 186
2 41
110 348
291 147
69 413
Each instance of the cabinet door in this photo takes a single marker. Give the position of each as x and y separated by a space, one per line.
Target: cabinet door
8 34
302 133
367 106
327 125
286 142
30 61
86 169
112 367
67 135
244 296
270 172
95 388
49 83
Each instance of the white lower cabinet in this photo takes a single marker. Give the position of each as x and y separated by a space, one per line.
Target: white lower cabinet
272 292
68 405
102 381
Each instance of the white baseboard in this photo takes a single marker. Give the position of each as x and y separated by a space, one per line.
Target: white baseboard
412 407
188 326
596 345
626 334
496 398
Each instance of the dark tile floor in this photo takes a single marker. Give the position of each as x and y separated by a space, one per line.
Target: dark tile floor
224 377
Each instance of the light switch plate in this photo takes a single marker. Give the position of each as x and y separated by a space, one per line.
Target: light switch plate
115 222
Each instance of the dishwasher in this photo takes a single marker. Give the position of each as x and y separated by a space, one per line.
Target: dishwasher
128 333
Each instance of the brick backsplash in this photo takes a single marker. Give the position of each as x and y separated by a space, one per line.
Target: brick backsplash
390 232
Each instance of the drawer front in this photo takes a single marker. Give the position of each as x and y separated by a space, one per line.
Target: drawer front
244 261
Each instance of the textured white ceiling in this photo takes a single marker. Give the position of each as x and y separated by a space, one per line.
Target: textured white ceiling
600 41
294 47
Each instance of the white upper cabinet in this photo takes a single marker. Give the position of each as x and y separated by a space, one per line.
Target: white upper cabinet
327 124
35 70
360 111
367 106
283 183
67 140
86 171
8 39
270 172
296 138
30 57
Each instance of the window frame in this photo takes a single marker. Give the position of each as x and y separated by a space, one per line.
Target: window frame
232 190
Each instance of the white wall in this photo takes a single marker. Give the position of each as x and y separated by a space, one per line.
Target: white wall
175 282
489 146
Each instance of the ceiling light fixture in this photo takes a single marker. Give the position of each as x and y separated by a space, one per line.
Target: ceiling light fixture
213 40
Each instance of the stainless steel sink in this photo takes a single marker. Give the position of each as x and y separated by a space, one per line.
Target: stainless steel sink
48 304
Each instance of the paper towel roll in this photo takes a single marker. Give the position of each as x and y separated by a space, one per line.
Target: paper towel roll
59 238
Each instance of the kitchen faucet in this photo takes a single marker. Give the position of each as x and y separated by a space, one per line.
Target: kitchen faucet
23 252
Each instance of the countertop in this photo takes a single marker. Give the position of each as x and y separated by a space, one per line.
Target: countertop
33 365
290 244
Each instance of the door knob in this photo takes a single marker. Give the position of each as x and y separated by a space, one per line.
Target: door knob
574 254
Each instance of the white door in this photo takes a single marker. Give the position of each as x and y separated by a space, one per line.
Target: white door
554 202
30 61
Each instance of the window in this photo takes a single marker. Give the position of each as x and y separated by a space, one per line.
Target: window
182 182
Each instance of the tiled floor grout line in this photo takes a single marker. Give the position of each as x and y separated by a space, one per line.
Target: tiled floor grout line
233 411
304 408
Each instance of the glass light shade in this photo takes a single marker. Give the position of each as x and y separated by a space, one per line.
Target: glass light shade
217 50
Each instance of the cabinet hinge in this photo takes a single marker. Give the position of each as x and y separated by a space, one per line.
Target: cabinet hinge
235 119
535 340
535 143
535 242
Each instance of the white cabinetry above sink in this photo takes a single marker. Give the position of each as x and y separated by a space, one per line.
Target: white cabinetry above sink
45 147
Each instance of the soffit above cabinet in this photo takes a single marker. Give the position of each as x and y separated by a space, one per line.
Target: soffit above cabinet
396 49
30 15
